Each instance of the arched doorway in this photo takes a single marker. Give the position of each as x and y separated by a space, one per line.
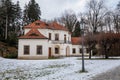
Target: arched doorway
57 49
67 51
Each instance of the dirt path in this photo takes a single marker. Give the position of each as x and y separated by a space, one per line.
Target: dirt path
110 75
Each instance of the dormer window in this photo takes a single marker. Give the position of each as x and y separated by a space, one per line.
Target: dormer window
47 24
33 34
37 24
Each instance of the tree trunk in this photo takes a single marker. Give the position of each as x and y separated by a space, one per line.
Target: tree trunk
90 54
106 54
6 27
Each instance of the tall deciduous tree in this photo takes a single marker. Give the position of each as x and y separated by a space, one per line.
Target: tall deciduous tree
31 12
95 14
69 20
117 18
108 21
77 31
94 17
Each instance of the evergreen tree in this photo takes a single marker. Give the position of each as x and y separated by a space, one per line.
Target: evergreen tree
15 31
31 12
10 16
77 31
18 18
1 22
7 10
25 16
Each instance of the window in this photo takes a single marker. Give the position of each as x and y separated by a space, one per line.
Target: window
37 24
65 38
81 50
74 50
56 36
39 49
33 34
46 24
87 50
56 50
26 49
49 36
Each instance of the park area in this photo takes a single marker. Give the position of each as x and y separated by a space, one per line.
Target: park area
55 69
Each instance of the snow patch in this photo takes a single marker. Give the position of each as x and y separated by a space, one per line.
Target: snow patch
57 69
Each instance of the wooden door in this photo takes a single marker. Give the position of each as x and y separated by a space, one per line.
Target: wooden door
49 52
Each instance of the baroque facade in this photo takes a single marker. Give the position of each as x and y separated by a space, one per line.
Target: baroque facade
43 40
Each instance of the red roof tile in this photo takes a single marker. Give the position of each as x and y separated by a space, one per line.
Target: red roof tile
43 25
57 26
33 34
76 40
37 24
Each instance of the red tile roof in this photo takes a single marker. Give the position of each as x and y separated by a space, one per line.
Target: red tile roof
56 26
43 25
76 40
33 34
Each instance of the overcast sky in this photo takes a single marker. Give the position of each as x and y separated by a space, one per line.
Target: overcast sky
54 8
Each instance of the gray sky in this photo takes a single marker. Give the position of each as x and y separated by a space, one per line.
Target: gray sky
54 8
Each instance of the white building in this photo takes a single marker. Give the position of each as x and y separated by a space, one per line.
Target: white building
42 40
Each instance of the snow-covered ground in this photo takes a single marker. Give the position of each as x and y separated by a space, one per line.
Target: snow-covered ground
57 69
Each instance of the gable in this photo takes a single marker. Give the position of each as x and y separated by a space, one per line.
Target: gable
33 34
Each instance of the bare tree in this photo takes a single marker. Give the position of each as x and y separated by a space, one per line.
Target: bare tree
117 23
68 19
117 18
109 21
95 14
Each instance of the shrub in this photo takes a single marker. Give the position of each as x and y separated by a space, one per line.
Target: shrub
11 55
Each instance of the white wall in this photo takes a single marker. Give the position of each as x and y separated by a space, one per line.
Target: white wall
62 48
46 32
77 47
61 33
26 31
33 45
46 44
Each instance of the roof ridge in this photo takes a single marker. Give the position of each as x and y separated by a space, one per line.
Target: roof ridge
45 25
